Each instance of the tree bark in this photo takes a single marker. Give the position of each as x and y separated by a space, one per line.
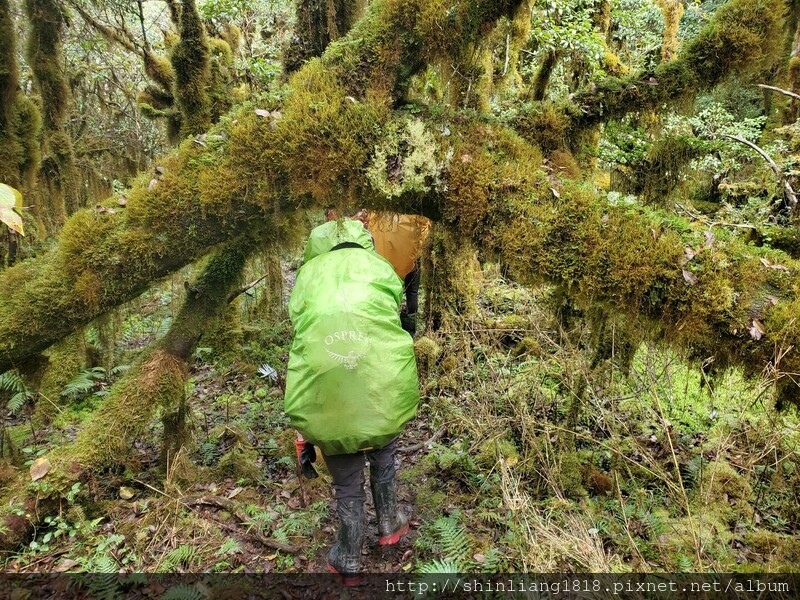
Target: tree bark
47 22
317 24
319 151
190 63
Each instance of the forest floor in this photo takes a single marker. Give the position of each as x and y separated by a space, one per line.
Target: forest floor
529 454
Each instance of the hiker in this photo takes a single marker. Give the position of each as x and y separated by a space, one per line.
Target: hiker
400 238
351 384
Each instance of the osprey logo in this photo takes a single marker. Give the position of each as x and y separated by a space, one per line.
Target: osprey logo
347 347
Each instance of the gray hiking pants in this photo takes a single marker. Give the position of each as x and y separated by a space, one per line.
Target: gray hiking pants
347 470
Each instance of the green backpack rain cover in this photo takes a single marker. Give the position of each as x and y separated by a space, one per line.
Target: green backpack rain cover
352 377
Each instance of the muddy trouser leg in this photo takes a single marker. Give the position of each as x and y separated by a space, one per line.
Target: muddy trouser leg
392 524
408 319
347 471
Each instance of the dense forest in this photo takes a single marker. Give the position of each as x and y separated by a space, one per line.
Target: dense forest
608 352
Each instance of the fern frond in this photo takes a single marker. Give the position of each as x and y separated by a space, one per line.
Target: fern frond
230 546
183 555
18 400
80 385
119 369
183 592
494 561
104 564
452 539
10 381
439 566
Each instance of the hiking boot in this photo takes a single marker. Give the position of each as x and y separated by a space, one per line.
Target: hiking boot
345 556
392 524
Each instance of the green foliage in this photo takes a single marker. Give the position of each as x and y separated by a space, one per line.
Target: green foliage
11 199
184 557
12 383
183 591
94 381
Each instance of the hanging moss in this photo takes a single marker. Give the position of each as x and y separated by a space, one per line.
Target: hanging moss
742 36
190 61
672 11
317 24
48 20
453 282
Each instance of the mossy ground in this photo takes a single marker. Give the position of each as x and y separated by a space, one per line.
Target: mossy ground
528 454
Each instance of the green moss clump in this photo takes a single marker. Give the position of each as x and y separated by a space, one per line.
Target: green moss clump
427 352
190 61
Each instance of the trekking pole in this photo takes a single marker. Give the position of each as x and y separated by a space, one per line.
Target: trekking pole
299 442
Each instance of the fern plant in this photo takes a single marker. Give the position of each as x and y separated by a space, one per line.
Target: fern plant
12 383
84 383
182 556
449 538
183 592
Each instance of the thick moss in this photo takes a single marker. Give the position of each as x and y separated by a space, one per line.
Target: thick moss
190 61
44 52
317 24
742 36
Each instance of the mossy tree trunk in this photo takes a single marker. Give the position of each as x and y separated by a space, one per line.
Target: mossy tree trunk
192 74
47 21
20 124
672 11
730 300
317 24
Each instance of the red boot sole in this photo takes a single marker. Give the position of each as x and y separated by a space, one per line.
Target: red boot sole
390 540
351 581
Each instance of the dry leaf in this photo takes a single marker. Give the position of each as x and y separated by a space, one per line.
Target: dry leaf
765 262
152 185
689 277
65 565
466 158
689 252
235 492
555 193
479 558
39 468
353 100
126 493
122 201
756 330
160 170
710 239
262 112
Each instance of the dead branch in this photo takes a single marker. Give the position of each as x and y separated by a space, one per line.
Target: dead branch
230 506
791 198
779 90
421 445
236 293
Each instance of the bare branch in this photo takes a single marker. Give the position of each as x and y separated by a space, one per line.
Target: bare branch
791 198
779 90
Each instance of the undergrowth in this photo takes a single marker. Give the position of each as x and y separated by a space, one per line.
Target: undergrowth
547 440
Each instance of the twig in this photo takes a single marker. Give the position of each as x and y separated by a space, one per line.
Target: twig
779 90
791 198
698 217
158 491
420 446
233 295
230 506
508 44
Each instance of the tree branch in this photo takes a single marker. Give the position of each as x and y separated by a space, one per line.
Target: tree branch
779 90
789 194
